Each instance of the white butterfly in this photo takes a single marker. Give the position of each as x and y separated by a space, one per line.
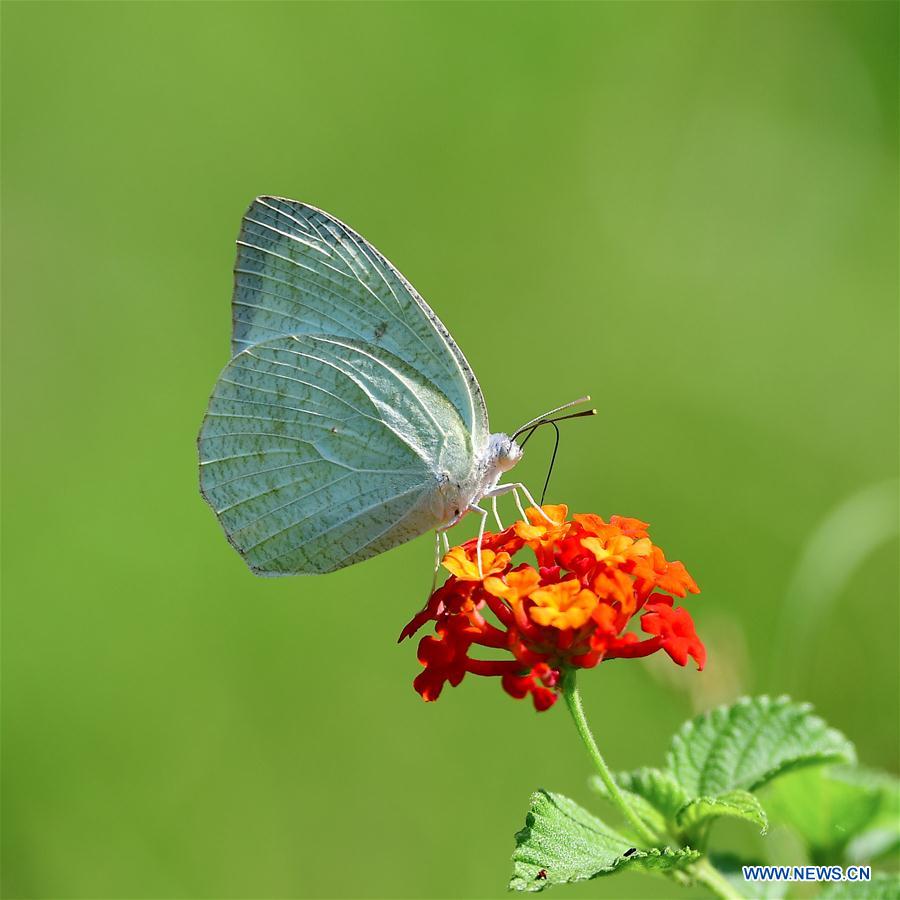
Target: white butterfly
348 420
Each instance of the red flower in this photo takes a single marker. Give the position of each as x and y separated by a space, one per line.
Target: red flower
571 611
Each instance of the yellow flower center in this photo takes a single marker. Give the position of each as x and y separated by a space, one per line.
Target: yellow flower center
563 605
617 548
539 528
457 562
517 585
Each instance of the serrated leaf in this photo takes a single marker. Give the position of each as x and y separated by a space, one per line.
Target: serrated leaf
746 745
645 810
883 886
653 794
695 814
830 806
657 786
561 842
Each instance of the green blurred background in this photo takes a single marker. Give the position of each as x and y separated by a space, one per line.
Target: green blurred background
687 210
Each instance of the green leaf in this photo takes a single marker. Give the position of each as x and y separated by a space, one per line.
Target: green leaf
650 816
735 804
882 838
745 745
883 886
561 842
882 834
830 806
660 788
653 794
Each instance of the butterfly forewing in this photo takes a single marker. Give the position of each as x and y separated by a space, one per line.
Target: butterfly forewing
301 271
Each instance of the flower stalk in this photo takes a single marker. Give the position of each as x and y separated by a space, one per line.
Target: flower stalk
573 702
702 870
712 878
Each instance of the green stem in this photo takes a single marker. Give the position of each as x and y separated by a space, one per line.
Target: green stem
702 870
573 701
710 876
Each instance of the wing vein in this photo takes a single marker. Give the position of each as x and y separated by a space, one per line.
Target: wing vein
352 518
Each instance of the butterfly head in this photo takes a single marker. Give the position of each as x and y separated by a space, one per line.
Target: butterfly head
505 451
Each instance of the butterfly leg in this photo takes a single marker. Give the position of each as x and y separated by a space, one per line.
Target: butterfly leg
532 501
513 487
474 507
440 534
496 514
437 560
501 489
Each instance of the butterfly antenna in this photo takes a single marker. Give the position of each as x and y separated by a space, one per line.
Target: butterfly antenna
544 417
531 429
578 415
525 439
552 459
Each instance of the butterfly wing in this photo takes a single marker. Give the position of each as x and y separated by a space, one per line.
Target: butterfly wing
347 414
318 452
302 271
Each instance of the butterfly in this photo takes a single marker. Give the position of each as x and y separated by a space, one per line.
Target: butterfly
348 420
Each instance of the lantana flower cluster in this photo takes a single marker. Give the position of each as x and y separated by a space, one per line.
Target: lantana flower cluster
571 610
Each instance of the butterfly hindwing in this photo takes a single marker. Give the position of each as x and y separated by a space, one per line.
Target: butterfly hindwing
317 452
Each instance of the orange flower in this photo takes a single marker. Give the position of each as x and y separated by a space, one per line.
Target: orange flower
657 572
615 586
616 548
539 534
563 605
632 527
572 611
517 584
465 566
538 528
